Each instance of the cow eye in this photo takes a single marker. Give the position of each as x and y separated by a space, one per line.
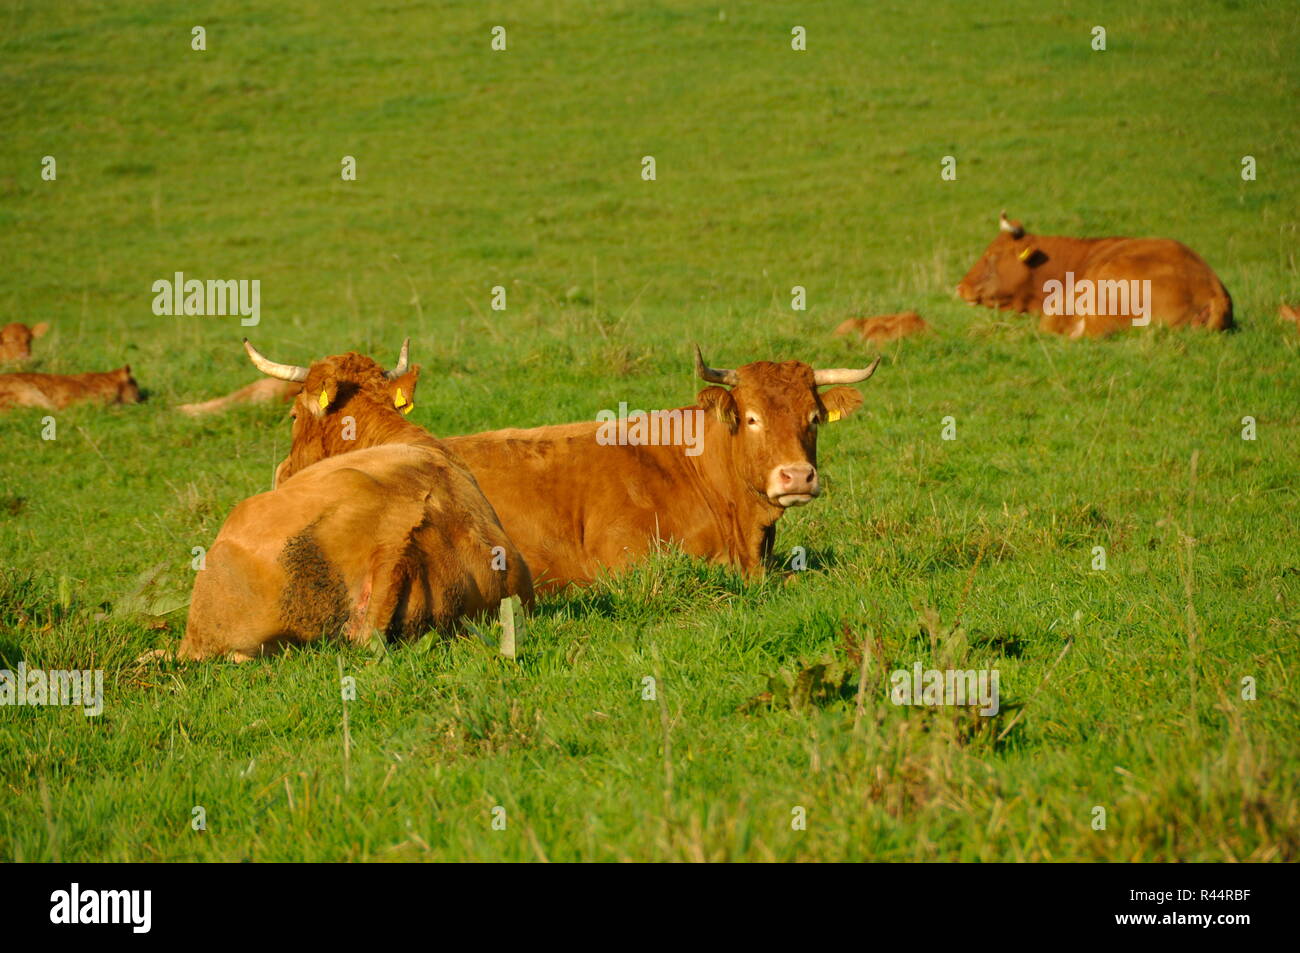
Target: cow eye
752 420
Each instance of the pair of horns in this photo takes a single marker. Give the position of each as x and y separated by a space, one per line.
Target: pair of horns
838 375
292 372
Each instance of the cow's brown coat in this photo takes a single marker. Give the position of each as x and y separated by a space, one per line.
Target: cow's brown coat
395 538
264 390
576 508
56 391
884 328
1014 268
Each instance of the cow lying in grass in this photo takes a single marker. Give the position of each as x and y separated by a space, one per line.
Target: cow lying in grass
16 340
265 390
577 505
1094 286
395 538
883 328
56 391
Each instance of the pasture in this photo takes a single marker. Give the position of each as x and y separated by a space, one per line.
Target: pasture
1121 688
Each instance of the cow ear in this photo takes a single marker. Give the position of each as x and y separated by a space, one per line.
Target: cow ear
318 402
40 329
125 372
840 402
402 390
1031 256
720 401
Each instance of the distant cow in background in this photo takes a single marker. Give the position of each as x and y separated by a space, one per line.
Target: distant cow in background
395 539
56 391
883 328
265 390
16 340
1040 273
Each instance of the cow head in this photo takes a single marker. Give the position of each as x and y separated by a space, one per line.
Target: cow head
347 402
124 388
1006 269
16 340
771 413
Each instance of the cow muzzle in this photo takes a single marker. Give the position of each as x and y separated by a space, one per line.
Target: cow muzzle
793 484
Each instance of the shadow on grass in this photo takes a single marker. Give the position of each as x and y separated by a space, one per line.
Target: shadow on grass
668 581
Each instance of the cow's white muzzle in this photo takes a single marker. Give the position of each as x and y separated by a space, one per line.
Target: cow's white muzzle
793 484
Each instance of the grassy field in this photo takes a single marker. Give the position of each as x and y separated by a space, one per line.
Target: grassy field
1121 689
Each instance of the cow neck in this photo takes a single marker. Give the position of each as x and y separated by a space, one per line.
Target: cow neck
377 425
1063 254
750 511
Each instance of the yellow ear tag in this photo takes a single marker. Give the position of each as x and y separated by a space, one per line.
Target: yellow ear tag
1024 255
832 416
324 400
401 403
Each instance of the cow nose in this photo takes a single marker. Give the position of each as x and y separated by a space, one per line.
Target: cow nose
798 478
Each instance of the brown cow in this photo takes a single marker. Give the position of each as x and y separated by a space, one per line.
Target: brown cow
264 390
1289 313
884 328
16 340
56 391
395 538
1096 286
578 504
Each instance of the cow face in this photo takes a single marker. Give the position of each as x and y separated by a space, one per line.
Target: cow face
127 390
771 413
347 402
1005 272
16 340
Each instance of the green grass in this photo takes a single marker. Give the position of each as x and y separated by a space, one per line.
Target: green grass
775 169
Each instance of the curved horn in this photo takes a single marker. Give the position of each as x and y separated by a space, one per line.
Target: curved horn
714 375
1004 223
844 375
401 367
283 372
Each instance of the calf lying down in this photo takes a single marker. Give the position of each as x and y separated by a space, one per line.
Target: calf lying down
884 328
265 390
395 539
56 391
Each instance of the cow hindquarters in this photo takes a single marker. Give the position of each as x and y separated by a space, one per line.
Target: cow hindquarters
445 571
233 606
